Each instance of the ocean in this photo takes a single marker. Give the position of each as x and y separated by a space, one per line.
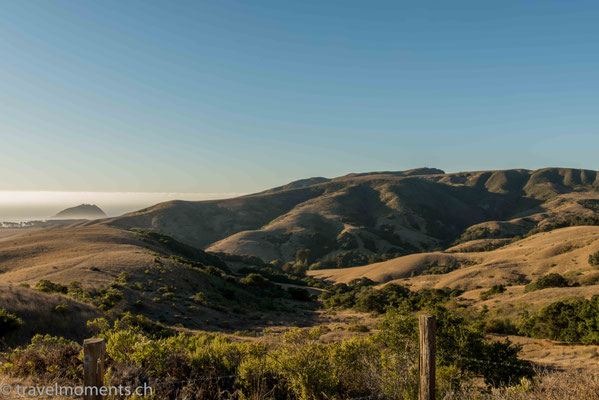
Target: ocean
22 206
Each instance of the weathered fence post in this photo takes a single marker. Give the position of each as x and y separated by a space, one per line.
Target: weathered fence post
93 367
427 326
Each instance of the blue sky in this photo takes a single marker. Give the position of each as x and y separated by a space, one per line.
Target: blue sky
223 96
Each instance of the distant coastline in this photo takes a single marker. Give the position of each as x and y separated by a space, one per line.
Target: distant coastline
24 206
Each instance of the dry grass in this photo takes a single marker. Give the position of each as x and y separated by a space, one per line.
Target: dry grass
8 233
387 271
65 255
38 312
275 224
28 382
531 257
557 355
545 386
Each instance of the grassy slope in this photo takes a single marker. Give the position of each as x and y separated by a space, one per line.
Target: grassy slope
158 284
39 314
68 254
423 208
564 251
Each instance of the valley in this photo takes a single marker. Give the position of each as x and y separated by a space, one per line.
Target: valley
497 254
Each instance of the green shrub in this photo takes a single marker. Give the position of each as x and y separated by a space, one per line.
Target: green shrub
45 285
591 204
347 241
46 357
168 296
300 366
124 278
502 326
440 270
142 324
200 298
479 232
256 280
62 308
495 289
360 295
358 328
574 320
547 281
459 345
8 322
108 298
77 292
213 271
594 259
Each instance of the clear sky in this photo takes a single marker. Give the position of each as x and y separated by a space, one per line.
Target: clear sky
224 96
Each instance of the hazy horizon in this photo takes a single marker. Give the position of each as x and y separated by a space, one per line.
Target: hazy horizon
29 205
21 206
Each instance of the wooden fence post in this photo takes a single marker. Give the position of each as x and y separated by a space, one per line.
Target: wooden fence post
93 367
427 326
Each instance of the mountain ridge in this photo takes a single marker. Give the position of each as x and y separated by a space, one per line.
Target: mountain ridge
394 213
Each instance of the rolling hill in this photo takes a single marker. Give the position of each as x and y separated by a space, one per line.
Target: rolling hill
77 273
564 251
353 217
82 211
467 231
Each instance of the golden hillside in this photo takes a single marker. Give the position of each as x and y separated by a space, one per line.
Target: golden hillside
565 251
376 213
93 255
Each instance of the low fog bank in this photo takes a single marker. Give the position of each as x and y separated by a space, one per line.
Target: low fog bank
29 206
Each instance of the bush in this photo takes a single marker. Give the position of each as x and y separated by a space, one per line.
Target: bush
298 294
62 308
211 366
256 280
199 298
358 328
108 298
594 259
77 292
213 271
500 325
142 324
360 295
46 357
439 270
574 320
495 289
45 285
591 204
124 278
459 345
8 322
547 281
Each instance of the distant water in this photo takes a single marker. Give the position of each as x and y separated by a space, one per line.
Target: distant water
30 206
